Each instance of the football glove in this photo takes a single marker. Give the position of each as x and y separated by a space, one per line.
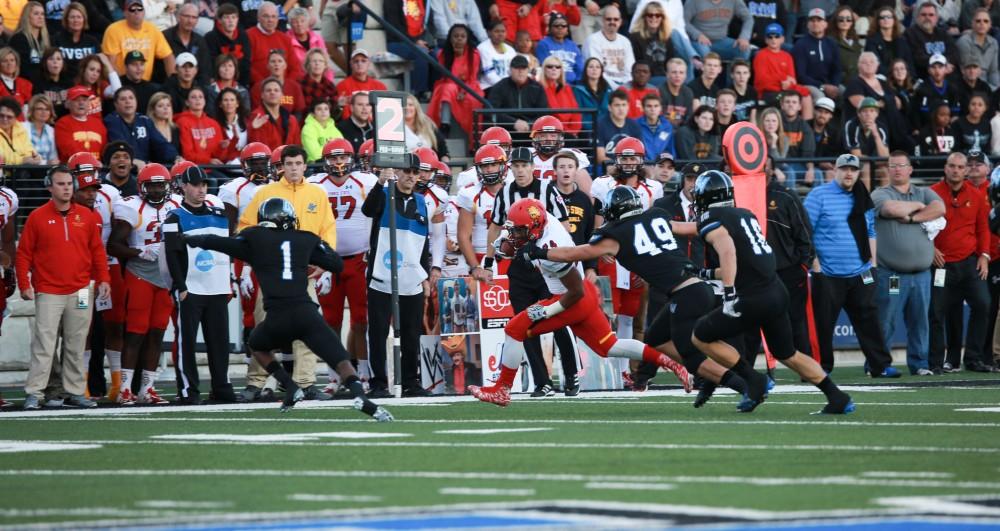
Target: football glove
536 312
324 283
246 283
150 252
729 301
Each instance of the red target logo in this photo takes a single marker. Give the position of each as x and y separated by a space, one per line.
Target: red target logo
744 149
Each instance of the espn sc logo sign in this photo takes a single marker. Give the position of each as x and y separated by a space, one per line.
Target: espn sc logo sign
494 304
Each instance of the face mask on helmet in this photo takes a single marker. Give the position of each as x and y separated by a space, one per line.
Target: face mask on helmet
491 172
518 235
338 165
548 142
423 180
256 169
628 166
154 193
277 171
442 180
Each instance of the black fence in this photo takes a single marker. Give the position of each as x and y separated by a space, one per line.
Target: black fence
585 140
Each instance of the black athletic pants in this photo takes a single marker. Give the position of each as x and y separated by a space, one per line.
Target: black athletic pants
411 312
961 283
526 288
211 313
796 281
993 282
830 295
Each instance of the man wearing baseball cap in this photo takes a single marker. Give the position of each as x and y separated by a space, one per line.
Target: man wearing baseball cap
200 287
829 139
180 84
183 39
135 66
843 219
774 70
817 59
866 135
518 90
358 81
136 33
79 130
927 39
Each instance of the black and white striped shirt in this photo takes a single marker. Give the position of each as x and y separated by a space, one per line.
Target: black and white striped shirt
543 190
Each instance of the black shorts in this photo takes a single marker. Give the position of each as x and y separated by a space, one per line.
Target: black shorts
763 309
301 322
677 319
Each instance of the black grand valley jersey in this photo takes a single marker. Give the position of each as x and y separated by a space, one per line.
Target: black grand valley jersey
648 248
754 258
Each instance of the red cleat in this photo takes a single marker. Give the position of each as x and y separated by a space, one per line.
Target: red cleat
495 394
678 369
152 398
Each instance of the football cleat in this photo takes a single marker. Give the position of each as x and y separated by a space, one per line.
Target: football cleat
542 391
837 409
291 399
151 398
380 414
495 394
4 404
678 369
126 398
755 395
704 394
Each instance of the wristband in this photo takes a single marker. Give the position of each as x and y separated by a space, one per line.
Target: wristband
488 262
553 309
729 291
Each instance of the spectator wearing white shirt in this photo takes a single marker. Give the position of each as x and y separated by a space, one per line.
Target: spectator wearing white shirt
495 55
612 48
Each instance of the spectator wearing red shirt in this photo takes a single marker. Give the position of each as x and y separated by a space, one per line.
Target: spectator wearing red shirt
201 135
979 177
11 82
265 37
291 94
79 130
637 89
774 70
272 124
559 94
961 264
462 59
358 81
61 250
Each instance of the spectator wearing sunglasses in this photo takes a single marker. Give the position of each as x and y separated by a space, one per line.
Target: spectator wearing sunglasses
558 43
134 33
774 69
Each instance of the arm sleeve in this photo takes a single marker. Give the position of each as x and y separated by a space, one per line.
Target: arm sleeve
689 14
311 142
808 147
870 222
555 204
983 229
374 203
249 217
328 224
438 244
801 230
99 255
237 247
25 253
176 252
744 13
325 257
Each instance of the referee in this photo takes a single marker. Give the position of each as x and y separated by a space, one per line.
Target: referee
200 286
526 284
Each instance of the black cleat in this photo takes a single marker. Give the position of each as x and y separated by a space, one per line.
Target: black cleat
756 393
542 391
291 398
704 394
838 405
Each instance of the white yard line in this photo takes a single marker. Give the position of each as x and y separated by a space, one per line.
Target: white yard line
894 474
182 504
333 498
490 431
602 485
472 491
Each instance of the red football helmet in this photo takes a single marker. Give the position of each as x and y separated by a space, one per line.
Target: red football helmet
83 162
255 158
547 135
489 155
277 169
335 149
633 149
365 153
442 175
497 136
525 222
153 174
428 160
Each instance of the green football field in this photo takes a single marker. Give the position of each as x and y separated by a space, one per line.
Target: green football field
920 453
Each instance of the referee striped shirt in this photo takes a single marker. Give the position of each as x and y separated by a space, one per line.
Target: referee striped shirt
543 190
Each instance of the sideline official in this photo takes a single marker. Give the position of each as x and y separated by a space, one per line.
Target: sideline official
200 286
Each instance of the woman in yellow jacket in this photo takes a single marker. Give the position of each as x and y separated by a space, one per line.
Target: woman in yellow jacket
319 129
15 143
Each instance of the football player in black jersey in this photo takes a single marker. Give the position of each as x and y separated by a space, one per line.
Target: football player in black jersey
753 296
280 255
645 245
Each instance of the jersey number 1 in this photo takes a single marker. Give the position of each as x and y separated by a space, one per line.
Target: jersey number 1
661 231
286 260
756 237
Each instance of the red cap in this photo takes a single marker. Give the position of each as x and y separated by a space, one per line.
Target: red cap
78 91
85 179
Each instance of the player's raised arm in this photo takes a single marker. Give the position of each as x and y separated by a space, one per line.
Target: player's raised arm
684 228
236 247
326 258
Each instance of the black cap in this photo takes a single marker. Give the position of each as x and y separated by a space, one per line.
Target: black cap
665 156
977 156
193 176
555 15
133 56
412 161
115 147
519 61
522 154
693 169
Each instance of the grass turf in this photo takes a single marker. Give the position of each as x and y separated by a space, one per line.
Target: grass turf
906 439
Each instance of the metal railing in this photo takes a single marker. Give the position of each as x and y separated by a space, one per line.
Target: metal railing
585 140
432 61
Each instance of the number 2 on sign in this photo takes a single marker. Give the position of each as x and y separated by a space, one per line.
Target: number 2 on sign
390 114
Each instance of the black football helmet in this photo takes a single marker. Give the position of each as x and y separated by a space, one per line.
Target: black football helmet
277 213
621 202
995 186
713 189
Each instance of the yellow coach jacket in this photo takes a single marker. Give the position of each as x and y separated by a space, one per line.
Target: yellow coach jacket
309 201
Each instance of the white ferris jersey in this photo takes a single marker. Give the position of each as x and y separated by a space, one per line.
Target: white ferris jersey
238 193
108 197
452 259
8 206
479 201
469 177
648 190
145 219
353 228
544 168
435 197
555 235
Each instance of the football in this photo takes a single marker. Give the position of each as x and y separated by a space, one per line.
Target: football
505 248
